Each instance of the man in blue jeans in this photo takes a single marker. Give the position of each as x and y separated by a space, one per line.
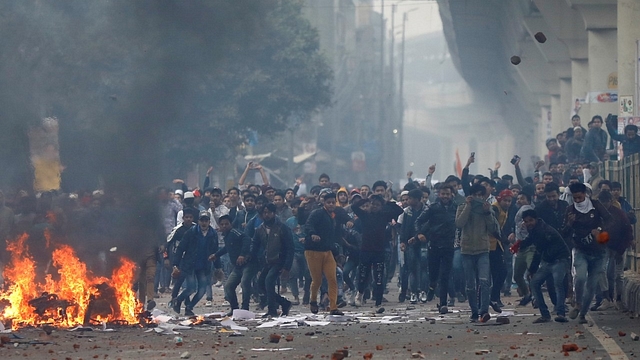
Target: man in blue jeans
477 222
193 258
555 260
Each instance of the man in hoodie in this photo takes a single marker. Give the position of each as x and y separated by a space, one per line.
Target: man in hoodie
321 236
342 198
582 226
477 223
411 246
244 216
272 247
437 226
193 258
374 220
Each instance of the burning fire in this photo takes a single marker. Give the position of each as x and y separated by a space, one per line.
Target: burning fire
74 296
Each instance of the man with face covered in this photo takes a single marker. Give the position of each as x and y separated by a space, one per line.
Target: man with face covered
477 223
436 226
583 225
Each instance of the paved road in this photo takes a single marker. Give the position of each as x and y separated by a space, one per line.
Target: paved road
406 335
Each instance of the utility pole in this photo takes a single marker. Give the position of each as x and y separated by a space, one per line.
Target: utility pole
383 123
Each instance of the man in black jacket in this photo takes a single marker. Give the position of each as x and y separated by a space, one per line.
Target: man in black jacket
630 140
555 263
552 210
374 243
237 245
437 226
321 235
411 247
193 258
173 241
272 246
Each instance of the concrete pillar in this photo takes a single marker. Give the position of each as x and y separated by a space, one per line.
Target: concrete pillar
628 33
557 118
580 87
603 53
566 103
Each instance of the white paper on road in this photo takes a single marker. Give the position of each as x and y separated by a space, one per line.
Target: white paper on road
317 323
156 312
162 318
291 325
231 324
187 322
170 329
263 349
240 314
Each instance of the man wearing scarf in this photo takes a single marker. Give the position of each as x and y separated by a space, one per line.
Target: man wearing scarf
583 224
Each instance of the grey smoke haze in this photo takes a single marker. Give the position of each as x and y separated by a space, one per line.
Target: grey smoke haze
116 74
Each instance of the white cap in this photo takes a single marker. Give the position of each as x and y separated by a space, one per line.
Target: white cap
180 192
188 194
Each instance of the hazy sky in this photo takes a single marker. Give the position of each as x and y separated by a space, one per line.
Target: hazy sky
423 15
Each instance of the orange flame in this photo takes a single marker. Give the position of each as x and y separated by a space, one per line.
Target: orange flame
75 287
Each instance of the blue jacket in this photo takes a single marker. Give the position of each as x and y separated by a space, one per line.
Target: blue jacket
188 255
235 244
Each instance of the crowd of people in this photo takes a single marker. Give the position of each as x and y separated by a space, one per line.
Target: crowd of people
468 238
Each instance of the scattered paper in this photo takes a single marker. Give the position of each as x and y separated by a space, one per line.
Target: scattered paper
263 349
81 328
240 314
292 325
231 324
104 327
162 318
317 323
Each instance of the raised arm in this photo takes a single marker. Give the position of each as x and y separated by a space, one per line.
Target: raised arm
243 177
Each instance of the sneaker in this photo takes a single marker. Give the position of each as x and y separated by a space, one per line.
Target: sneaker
402 297
313 306
462 297
495 306
151 304
208 303
359 300
542 319
423 297
352 298
485 317
341 303
574 313
336 312
596 306
218 284
606 305
473 318
561 319
430 294
269 315
285 308
414 298
188 312
443 310
176 307
225 303
451 303
582 320
380 310
525 301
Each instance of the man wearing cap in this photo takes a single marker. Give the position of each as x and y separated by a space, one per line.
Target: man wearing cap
193 258
272 246
188 202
